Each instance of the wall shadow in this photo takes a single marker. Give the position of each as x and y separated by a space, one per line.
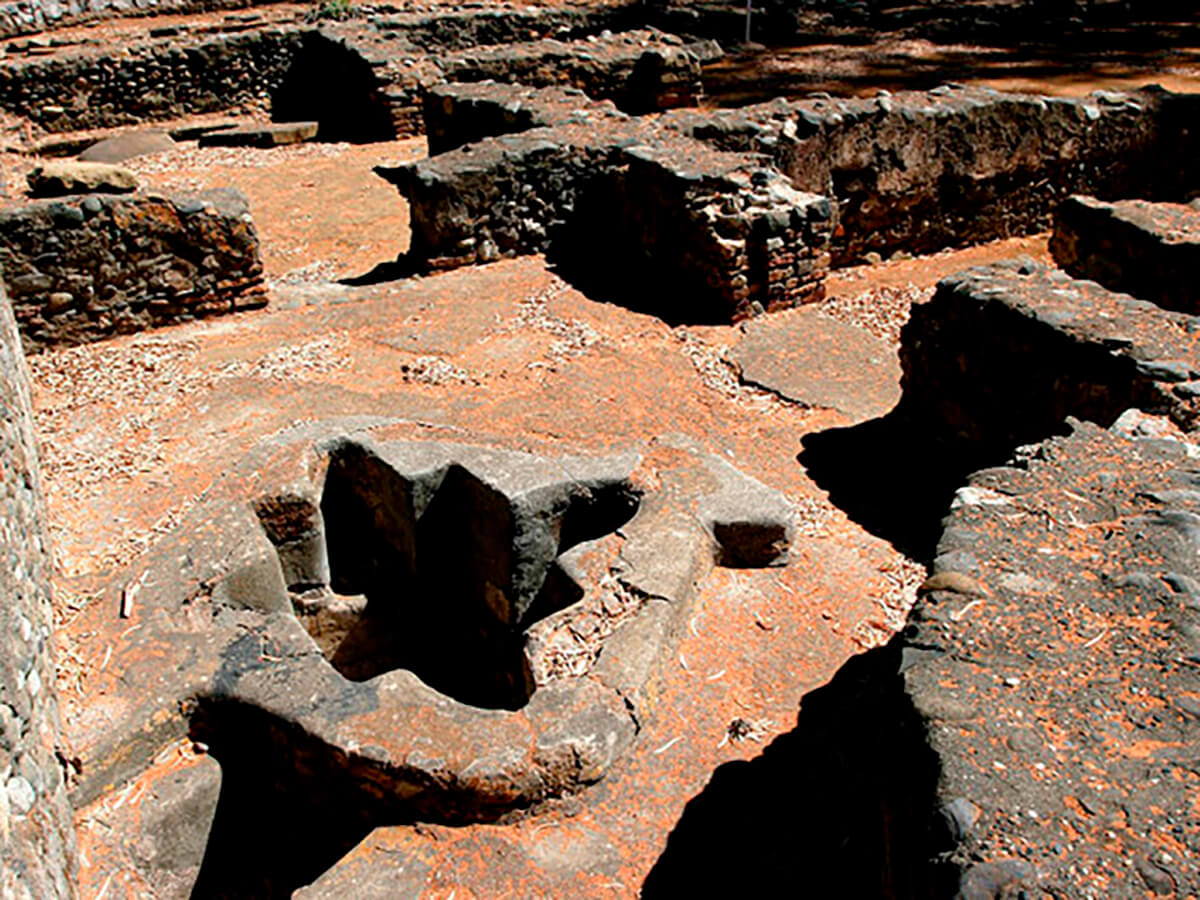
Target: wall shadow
841 806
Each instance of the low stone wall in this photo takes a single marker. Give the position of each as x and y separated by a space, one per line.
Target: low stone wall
152 79
362 80
1150 250
85 268
723 236
28 16
37 844
919 171
640 71
1002 355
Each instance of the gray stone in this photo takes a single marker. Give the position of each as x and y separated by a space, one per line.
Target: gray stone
128 145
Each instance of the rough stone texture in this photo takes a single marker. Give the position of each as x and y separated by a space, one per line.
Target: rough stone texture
1002 355
55 179
363 80
812 359
515 546
82 269
724 237
1055 662
37 843
640 71
27 16
149 79
1150 250
522 171
919 171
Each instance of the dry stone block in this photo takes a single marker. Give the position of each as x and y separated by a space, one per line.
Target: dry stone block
56 179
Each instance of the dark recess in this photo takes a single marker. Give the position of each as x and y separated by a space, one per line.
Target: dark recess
843 805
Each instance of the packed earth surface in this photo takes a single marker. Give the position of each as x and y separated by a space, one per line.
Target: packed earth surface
574 450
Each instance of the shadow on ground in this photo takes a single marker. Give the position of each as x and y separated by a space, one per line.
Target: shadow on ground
841 806
893 478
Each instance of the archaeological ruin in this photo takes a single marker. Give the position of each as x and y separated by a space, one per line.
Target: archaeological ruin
596 448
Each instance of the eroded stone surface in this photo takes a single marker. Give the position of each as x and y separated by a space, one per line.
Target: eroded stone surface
217 592
815 360
1002 355
1056 692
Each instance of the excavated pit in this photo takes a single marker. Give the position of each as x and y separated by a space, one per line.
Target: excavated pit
443 581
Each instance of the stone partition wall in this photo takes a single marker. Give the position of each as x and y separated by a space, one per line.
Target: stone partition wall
85 268
1150 250
37 843
919 171
361 79
707 235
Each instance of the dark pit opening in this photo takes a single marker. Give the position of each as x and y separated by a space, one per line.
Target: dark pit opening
330 84
440 575
844 805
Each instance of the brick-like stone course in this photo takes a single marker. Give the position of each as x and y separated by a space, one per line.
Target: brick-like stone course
1150 250
37 844
85 268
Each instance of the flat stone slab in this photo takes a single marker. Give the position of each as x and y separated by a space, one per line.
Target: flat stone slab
1150 250
273 135
810 358
129 145
1054 658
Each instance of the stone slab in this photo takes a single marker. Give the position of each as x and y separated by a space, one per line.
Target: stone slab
812 359
264 136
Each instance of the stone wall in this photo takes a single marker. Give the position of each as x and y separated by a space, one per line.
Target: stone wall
1002 355
28 16
920 171
711 236
149 80
37 843
85 268
362 80
1150 250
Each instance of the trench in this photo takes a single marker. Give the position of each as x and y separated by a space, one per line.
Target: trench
841 806
846 803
